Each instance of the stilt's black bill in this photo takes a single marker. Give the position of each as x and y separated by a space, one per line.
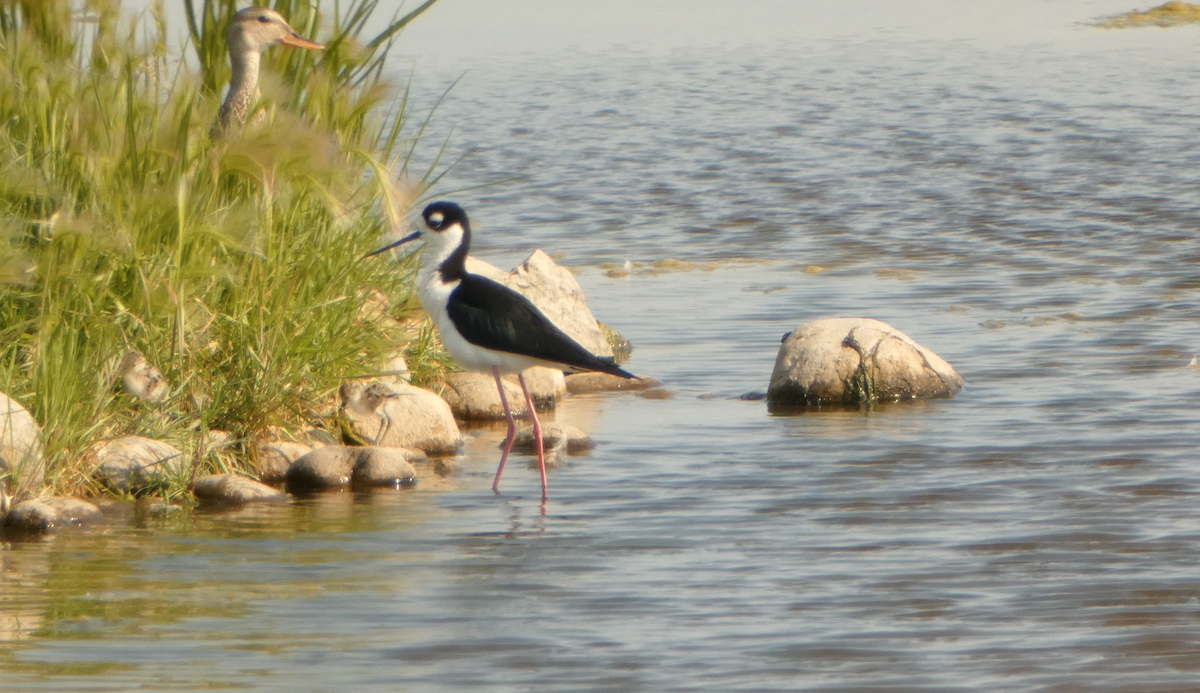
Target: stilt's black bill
402 241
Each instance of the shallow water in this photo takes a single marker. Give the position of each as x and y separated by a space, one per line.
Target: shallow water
1028 211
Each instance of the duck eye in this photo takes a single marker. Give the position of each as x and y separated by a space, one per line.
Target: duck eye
264 19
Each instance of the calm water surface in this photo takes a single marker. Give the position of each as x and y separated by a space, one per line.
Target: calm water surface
1029 212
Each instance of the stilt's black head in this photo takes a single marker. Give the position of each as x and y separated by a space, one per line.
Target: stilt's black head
439 217
443 215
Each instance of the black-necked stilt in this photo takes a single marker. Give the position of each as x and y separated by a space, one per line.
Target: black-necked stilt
486 325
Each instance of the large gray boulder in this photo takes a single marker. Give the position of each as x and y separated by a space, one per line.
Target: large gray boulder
398 415
21 462
555 292
134 463
856 361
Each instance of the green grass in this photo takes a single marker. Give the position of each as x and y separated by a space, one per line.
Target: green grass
233 265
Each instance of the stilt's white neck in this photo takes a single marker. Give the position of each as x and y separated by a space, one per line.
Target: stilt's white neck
445 253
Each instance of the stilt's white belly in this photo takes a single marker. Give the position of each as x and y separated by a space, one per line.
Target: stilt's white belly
434 296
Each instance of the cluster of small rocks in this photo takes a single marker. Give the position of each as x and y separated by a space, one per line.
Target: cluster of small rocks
391 424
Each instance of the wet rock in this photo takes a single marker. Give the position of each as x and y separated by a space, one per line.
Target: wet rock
30 517
275 458
21 462
157 510
854 361
385 467
340 466
323 468
546 385
43 515
446 466
231 488
472 397
399 415
134 463
555 292
586 383
142 379
555 437
74 511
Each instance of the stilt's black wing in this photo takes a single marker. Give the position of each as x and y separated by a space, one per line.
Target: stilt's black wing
493 316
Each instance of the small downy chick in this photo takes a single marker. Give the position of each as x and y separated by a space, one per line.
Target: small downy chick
366 402
141 379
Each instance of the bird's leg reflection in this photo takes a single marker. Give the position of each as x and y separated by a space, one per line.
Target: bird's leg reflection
519 527
537 440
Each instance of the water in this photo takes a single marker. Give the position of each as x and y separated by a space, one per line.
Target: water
1027 210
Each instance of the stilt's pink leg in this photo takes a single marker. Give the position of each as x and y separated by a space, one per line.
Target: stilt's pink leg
537 436
512 429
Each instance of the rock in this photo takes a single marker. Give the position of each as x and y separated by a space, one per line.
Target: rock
473 396
275 458
317 437
36 516
218 439
555 437
30 517
21 462
340 466
398 415
134 463
585 383
394 370
323 468
621 347
312 437
74 511
141 379
853 361
555 292
384 467
231 488
546 385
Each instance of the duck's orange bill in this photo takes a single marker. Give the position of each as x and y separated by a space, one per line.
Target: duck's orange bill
298 41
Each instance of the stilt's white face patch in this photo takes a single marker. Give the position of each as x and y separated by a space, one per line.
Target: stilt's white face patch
435 219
